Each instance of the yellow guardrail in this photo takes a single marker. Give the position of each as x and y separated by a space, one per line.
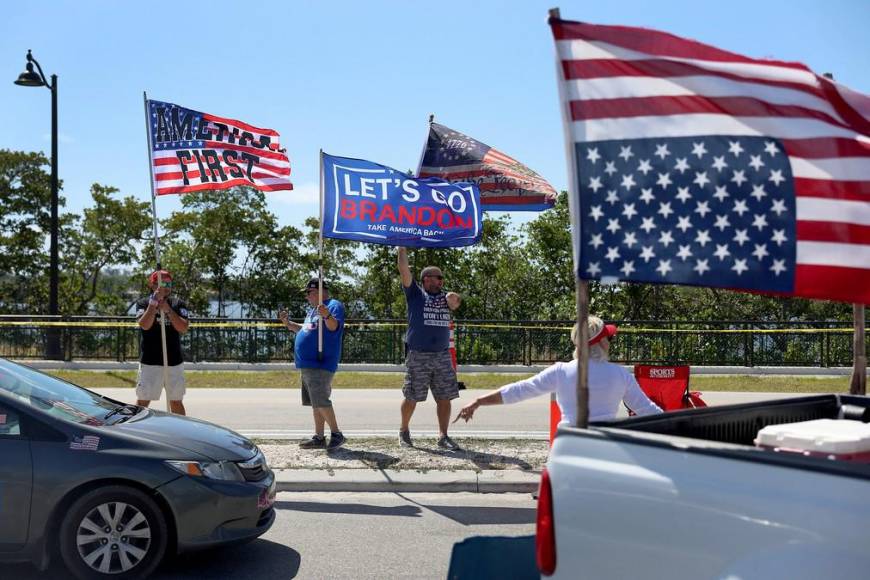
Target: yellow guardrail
623 330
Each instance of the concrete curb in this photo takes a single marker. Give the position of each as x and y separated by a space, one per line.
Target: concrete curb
390 480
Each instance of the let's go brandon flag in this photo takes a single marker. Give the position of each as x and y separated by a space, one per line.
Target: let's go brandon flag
693 165
373 203
193 151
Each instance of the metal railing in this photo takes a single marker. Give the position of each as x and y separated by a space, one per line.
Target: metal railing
481 342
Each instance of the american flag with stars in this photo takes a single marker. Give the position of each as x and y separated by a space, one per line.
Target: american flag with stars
85 443
194 151
714 211
505 183
693 165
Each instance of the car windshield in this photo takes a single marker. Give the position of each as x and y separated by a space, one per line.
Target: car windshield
53 396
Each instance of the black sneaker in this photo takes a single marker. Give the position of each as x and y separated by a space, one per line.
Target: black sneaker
405 439
316 442
335 441
449 444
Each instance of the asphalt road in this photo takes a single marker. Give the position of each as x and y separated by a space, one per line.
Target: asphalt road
375 535
278 412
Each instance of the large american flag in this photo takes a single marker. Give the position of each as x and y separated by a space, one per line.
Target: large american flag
505 183
194 151
698 166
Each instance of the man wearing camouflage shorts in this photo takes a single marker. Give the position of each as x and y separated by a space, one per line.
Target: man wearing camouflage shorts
429 365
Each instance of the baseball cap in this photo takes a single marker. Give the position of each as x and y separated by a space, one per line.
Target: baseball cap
165 276
607 331
314 283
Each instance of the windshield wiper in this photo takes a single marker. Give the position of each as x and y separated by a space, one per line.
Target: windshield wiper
127 410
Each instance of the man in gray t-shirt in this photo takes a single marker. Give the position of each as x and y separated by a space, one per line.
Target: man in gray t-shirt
429 365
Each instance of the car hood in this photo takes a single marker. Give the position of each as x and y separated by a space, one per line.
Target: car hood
213 441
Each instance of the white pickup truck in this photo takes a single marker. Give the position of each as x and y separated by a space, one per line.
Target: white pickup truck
689 495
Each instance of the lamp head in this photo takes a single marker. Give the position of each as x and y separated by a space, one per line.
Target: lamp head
29 78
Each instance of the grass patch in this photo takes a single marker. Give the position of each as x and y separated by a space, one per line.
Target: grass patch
770 384
483 381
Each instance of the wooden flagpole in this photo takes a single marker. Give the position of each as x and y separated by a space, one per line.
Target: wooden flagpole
157 254
858 384
320 269
581 286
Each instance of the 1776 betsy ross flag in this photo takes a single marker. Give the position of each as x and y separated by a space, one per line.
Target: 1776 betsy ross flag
693 165
194 151
505 183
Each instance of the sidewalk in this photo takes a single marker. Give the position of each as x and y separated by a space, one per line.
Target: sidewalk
382 465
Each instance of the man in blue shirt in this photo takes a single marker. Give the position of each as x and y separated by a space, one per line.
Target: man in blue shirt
429 364
318 367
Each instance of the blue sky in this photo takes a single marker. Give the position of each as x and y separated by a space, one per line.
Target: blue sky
356 79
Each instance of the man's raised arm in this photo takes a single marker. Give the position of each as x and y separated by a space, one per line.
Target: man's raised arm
404 268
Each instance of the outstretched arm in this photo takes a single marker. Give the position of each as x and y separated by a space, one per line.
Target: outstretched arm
491 398
404 268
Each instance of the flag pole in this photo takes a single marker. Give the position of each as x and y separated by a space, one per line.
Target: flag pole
157 251
858 383
425 144
320 268
581 286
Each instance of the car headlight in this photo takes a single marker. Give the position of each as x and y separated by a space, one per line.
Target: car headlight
222 470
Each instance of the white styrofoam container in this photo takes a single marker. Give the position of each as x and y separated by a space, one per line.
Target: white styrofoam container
838 437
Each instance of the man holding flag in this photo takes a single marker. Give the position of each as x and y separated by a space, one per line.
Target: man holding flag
318 365
174 317
368 202
190 151
429 364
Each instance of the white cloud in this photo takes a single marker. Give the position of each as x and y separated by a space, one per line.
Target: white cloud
292 207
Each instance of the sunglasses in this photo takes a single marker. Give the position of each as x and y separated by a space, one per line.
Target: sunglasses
165 284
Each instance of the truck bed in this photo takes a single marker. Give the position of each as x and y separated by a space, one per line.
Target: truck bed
736 426
688 495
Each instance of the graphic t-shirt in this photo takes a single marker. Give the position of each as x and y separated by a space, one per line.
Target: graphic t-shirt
428 320
305 347
150 344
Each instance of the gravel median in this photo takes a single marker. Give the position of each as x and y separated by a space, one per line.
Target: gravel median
383 453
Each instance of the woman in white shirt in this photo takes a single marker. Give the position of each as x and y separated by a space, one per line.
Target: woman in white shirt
609 384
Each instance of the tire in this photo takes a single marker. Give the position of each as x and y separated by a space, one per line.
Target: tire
134 546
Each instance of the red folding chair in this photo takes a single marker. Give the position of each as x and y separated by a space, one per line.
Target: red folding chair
667 386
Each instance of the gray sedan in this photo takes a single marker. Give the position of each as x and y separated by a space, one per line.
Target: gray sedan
111 488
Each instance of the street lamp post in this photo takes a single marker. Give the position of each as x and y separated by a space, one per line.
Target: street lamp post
31 79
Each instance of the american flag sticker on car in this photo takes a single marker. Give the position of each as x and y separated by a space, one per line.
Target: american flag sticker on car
86 443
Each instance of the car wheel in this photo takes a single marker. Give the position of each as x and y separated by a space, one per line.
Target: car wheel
113 532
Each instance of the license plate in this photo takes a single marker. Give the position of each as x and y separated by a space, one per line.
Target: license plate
267 496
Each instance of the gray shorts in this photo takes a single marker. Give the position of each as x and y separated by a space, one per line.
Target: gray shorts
430 370
316 387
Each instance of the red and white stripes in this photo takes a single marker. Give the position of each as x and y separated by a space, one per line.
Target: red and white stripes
623 83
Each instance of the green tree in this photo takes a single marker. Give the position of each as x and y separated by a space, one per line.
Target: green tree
551 262
25 197
214 235
107 235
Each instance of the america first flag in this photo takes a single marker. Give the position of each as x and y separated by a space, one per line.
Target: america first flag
505 183
194 151
693 165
